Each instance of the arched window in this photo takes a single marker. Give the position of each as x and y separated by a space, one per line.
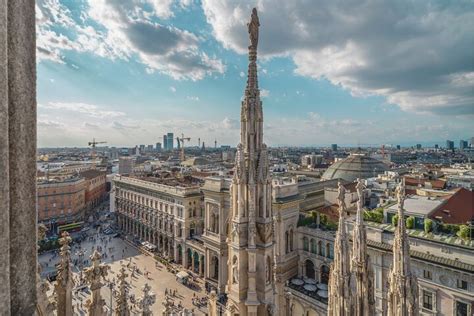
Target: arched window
321 248
330 251
287 242
305 244
313 246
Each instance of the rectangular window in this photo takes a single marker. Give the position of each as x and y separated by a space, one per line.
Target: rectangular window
462 284
461 309
427 274
427 300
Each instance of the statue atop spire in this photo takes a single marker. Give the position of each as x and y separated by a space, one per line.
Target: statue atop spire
402 294
253 26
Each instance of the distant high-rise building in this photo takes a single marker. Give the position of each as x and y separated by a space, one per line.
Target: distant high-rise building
142 148
170 141
126 165
472 142
418 146
398 147
165 142
158 147
334 147
463 144
150 148
436 146
449 144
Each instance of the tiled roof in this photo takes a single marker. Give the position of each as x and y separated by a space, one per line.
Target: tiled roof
91 173
458 209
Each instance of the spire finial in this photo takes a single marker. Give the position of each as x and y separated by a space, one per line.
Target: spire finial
253 26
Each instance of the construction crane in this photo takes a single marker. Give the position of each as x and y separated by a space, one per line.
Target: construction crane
181 140
93 144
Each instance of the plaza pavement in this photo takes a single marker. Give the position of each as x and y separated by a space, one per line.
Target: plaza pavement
124 252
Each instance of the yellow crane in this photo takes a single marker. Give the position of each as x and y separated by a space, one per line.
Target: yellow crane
181 142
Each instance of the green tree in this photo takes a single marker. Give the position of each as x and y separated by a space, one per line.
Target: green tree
395 220
464 232
410 222
428 225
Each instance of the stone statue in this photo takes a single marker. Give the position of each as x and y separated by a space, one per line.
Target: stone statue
341 197
147 300
360 191
400 192
253 29
235 271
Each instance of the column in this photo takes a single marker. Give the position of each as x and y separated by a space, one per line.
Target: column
17 158
192 262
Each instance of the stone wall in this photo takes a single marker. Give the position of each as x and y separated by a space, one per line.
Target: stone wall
17 157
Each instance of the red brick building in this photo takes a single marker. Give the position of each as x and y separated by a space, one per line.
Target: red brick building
95 187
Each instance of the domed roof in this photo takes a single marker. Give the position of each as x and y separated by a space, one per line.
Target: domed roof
353 167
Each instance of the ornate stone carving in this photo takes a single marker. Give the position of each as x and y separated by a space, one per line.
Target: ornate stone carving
264 232
94 276
147 300
122 308
64 280
253 29
402 294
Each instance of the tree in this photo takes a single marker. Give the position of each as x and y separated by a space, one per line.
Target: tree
428 225
395 220
463 232
410 222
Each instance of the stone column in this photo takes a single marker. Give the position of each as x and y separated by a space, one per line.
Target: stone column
17 157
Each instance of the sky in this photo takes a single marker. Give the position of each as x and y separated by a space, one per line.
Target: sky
347 72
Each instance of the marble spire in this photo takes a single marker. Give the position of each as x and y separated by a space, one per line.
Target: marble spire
121 307
64 280
94 276
251 239
362 273
147 300
340 302
402 294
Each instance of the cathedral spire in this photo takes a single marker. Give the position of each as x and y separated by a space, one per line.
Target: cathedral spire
363 296
340 303
403 285
251 244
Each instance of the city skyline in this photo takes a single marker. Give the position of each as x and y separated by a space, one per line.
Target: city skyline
128 73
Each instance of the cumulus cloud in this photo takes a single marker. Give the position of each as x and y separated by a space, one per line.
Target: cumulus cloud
128 29
416 54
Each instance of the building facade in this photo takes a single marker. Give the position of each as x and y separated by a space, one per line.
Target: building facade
168 216
95 184
61 201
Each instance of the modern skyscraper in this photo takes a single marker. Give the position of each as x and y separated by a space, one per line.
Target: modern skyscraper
251 245
449 145
170 141
165 142
418 146
463 144
158 147
334 147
